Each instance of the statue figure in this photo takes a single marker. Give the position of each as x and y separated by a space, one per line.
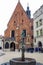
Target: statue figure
23 45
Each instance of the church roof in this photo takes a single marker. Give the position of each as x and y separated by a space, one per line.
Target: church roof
18 8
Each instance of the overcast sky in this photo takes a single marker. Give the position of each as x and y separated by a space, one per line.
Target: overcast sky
7 7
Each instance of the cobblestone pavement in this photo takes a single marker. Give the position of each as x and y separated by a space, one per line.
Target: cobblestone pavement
1 53
4 59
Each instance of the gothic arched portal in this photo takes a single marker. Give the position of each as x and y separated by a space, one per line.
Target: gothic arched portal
40 44
12 46
6 45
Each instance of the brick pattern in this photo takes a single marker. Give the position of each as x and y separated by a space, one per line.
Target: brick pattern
21 21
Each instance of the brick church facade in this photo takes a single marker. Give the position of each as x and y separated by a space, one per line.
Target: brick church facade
18 22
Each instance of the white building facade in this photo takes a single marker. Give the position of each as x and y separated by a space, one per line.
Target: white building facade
1 42
38 27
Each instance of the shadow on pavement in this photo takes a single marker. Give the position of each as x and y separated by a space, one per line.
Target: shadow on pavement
39 63
7 63
2 54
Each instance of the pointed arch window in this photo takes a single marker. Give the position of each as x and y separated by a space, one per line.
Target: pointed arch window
13 33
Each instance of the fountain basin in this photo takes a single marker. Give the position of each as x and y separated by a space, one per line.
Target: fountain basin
27 61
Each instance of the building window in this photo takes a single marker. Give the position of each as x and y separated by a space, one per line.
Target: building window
32 36
12 33
22 13
32 45
22 21
31 27
40 22
37 32
35 40
40 32
14 22
37 24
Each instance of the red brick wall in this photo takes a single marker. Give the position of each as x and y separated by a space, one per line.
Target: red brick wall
19 15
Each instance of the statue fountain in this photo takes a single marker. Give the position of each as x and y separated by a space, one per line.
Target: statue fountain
23 60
